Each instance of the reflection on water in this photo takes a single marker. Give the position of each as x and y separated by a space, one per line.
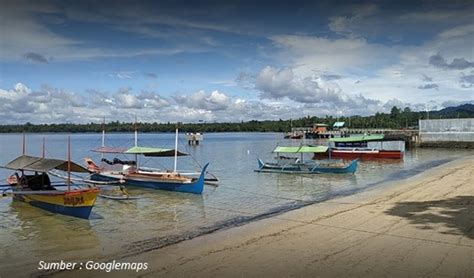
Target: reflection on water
159 217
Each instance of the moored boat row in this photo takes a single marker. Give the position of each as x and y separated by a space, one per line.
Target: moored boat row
76 197
341 156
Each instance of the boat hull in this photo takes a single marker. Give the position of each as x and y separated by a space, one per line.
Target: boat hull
78 203
350 169
306 168
349 154
195 187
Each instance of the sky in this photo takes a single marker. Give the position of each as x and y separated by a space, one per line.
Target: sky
219 61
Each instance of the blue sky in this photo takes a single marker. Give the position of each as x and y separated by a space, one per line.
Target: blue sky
78 61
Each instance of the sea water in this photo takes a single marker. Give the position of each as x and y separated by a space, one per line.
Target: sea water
121 228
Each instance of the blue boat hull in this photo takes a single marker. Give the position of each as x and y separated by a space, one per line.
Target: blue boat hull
60 203
306 169
80 212
350 169
195 187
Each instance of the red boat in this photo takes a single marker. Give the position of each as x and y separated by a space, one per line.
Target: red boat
366 147
366 154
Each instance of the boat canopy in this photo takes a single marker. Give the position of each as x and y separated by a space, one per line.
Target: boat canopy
110 150
146 151
282 149
39 164
313 149
301 149
364 138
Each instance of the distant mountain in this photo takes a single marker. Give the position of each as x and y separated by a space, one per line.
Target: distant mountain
462 111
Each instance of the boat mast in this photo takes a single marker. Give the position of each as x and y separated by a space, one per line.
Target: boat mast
136 141
136 132
69 163
24 149
103 137
176 149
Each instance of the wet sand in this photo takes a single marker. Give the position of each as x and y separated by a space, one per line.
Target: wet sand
422 226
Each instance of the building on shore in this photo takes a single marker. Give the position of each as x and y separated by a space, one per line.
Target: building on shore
321 128
338 125
452 133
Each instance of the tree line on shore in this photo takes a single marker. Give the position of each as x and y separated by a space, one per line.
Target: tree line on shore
397 119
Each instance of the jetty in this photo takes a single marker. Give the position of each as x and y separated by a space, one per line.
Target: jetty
320 131
194 138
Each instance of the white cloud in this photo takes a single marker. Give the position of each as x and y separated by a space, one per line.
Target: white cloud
309 53
127 100
214 101
318 96
20 104
50 104
151 100
280 83
458 31
385 71
122 74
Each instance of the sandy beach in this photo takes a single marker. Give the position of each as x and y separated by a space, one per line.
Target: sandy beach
422 226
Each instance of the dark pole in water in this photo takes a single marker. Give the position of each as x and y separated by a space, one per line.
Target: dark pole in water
44 147
24 143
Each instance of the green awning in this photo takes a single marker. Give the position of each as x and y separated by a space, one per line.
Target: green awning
353 139
302 149
147 151
315 149
282 149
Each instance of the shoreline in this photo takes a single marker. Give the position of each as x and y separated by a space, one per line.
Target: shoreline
265 246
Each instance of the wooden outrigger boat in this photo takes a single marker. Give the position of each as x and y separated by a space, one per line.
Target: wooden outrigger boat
134 176
37 189
131 174
295 165
366 147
